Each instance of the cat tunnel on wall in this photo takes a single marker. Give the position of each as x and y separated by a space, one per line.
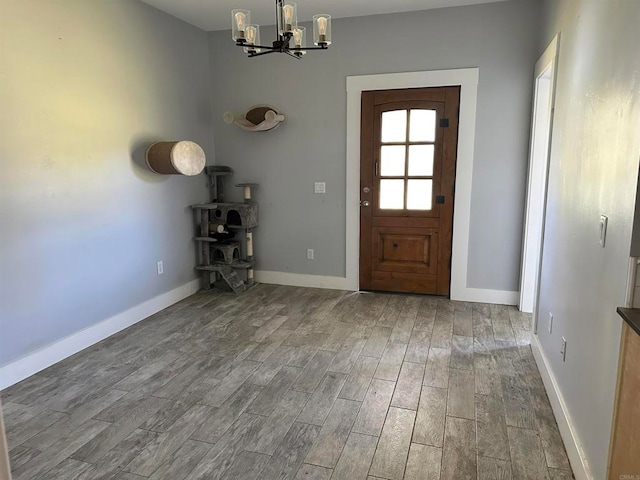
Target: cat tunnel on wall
259 118
175 158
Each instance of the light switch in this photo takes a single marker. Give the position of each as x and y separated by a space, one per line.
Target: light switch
319 187
603 229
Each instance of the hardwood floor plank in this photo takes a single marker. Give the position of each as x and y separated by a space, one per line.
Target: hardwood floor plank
181 462
313 472
20 455
518 409
418 348
274 428
462 322
115 433
215 463
25 429
312 374
461 395
391 362
462 352
355 459
374 347
493 469
246 466
289 455
491 436
424 463
373 411
459 453
230 383
334 433
81 414
68 469
162 447
317 408
407 392
527 457
347 356
437 369
116 459
392 450
430 418
356 385
271 395
38 466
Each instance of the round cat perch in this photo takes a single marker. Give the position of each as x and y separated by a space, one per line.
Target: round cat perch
259 118
176 158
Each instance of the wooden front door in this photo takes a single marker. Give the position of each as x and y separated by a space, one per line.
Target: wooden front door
407 175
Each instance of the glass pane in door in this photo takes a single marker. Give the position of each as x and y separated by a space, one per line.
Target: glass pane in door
392 160
394 126
391 194
421 160
422 126
419 194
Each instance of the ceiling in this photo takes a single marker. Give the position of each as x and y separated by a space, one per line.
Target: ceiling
216 14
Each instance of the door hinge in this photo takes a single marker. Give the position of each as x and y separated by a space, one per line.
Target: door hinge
444 122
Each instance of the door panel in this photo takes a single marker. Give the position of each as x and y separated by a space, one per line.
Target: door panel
408 148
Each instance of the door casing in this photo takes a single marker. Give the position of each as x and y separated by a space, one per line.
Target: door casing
467 78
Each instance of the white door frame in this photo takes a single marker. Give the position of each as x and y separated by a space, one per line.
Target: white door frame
539 152
467 78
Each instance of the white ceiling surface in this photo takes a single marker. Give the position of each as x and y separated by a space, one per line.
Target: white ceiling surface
216 14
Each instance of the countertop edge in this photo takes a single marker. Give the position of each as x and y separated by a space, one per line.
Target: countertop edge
631 316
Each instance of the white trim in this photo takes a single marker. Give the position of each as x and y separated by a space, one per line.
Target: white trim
481 295
467 78
545 74
302 280
572 443
46 356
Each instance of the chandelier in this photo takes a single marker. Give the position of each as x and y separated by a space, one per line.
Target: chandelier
291 38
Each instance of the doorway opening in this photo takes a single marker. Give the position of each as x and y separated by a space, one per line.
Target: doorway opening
539 152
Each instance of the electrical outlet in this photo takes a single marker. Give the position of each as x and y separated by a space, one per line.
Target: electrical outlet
309 253
320 187
550 322
160 267
563 350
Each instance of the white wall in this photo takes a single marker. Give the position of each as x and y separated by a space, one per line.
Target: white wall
593 171
85 86
499 38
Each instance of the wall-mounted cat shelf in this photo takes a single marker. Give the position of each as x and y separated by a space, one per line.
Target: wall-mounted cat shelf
259 118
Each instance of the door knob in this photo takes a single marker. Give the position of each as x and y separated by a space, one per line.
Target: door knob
366 203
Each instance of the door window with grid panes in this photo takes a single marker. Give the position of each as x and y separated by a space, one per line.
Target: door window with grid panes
406 159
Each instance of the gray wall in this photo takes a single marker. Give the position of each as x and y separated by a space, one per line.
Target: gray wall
498 38
593 171
84 88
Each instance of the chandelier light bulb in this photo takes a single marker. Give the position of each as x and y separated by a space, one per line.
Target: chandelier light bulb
239 21
322 29
322 26
289 16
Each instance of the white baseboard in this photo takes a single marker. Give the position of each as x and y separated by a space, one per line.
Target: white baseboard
568 433
302 280
46 356
481 295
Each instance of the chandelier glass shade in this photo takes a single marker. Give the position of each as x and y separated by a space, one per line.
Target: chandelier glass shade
290 37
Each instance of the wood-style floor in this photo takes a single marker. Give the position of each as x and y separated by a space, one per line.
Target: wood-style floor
294 383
